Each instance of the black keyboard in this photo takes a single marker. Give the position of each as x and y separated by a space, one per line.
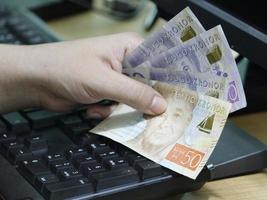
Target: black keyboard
57 155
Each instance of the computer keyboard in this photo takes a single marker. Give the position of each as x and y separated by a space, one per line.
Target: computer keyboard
59 157
20 28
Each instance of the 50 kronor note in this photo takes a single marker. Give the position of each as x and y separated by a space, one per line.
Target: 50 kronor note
181 139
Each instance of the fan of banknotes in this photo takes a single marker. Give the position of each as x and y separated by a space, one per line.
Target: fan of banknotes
195 71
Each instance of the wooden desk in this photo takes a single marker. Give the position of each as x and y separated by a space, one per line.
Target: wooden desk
241 188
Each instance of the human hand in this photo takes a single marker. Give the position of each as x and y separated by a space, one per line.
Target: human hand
86 71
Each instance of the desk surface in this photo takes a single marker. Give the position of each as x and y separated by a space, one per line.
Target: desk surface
247 187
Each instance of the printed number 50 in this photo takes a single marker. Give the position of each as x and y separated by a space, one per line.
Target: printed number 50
192 159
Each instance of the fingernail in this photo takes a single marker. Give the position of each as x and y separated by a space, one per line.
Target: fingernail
158 105
95 115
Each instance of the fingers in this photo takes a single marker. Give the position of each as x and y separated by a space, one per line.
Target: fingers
123 89
99 111
124 43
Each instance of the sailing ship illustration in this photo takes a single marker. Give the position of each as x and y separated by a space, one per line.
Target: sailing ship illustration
206 124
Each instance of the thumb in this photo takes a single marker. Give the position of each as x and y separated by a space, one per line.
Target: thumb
134 93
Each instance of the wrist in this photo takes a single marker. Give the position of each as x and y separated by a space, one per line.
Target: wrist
18 87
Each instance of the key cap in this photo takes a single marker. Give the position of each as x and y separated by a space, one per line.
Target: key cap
80 109
120 149
69 121
68 189
9 38
105 154
91 122
26 110
17 123
18 154
42 180
3 127
42 119
32 168
97 146
59 165
91 168
77 130
81 161
26 198
69 173
53 157
115 163
134 158
86 138
115 178
7 145
4 137
94 122
148 169
75 152
37 144
18 27
37 39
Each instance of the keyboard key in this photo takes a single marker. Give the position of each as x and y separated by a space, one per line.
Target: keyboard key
7 38
120 149
80 109
97 146
75 152
105 154
26 110
6 137
17 26
53 157
91 168
32 168
4 10
77 130
69 121
26 198
37 39
83 160
59 165
91 122
3 127
115 163
7 145
134 158
115 178
17 123
69 173
37 144
18 154
148 169
94 122
43 118
41 180
86 138
68 189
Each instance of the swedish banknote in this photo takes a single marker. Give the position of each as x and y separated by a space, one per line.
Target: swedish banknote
207 53
179 29
181 139
204 83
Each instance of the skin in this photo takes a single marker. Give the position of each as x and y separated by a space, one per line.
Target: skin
61 76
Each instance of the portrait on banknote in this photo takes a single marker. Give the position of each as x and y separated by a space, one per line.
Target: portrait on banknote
163 131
